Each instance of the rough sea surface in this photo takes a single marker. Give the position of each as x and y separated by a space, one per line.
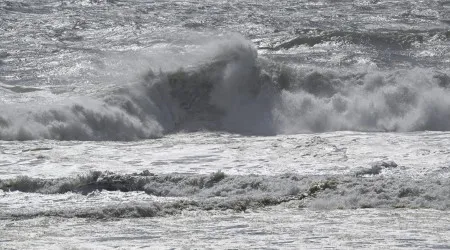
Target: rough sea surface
224 124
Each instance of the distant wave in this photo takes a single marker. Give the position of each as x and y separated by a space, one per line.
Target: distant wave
384 39
234 90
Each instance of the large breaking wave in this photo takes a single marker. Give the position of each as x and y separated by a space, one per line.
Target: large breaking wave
234 90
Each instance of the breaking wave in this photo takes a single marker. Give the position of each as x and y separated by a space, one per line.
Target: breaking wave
234 90
219 191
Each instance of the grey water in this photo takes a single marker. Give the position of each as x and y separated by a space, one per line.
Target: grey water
224 124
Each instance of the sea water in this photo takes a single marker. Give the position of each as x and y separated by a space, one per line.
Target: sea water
224 124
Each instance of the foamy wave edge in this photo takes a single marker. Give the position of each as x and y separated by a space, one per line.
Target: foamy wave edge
219 191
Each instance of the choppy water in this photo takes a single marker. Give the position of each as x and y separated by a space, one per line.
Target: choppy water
288 124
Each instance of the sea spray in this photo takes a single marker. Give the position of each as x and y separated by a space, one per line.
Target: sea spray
232 89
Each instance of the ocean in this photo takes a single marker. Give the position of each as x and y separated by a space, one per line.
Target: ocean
224 124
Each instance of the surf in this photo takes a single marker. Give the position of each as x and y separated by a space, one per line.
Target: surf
233 89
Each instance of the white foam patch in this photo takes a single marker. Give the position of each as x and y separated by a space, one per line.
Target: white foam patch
279 227
417 154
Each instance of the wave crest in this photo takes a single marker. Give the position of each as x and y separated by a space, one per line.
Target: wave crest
370 187
234 90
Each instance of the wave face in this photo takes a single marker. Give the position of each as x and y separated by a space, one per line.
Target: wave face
234 90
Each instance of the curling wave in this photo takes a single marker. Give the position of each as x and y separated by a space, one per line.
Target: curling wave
234 90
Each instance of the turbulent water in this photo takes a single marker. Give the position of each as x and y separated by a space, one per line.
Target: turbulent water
227 124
